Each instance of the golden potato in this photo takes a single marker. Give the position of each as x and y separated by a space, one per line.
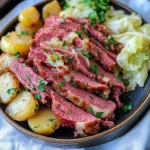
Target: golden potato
22 107
44 122
9 86
5 62
30 30
29 16
16 42
52 8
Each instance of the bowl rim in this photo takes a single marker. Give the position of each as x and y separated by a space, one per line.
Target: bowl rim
118 126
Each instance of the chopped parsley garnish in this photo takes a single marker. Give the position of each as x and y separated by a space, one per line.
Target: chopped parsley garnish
37 96
80 34
126 82
85 31
27 78
46 50
61 84
74 85
107 47
94 69
51 119
102 74
99 114
110 39
90 110
42 81
17 55
26 89
41 87
24 64
37 126
19 91
11 91
51 62
35 110
64 42
63 4
69 60
77 70
101 16
24 33
127 107
86 53
55 77
93 18
18 35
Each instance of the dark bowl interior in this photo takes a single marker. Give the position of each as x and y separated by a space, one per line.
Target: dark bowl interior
138 97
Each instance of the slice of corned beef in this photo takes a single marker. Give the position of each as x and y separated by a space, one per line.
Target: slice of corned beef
102 57
71 116
79 97
108 78
86 83
31 80
109 53
57 22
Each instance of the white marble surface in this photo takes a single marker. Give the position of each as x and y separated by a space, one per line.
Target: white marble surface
135 139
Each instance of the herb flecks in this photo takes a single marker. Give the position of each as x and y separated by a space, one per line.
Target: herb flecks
24 33
61 84
86 53
17 55
51 119
37 96
90 110
99 114
41 87
11 91
94 69
42 81
27 78
127 107
80 34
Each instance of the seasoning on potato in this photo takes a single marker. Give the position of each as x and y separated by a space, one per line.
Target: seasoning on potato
16 42
31 30
9 86
29 16
48 121
22 107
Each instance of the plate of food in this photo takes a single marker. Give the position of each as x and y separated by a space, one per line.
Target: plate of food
75 73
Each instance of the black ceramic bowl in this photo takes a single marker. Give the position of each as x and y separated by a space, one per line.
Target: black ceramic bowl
63 137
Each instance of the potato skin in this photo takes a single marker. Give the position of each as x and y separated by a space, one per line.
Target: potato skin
15 42
48 122
52 8
5 62
29 16
8 81
31 30
22 107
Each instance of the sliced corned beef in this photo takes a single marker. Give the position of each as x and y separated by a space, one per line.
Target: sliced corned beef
56 21
102 57
80 97
30 79
109 53
74 117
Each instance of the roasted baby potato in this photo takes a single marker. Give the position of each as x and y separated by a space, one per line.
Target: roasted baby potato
16 42
44 122
5 62
52 8
9 86
29 16
22 107
30 30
